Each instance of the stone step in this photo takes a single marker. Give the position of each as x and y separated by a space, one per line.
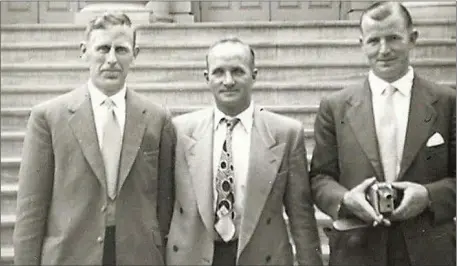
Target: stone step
9 170
73 73
188 93
15 119
7 225
212 31
182 93
8 199
7 255
12 142
312 50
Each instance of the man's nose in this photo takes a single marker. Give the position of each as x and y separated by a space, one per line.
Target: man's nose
111 57
384 47
228 80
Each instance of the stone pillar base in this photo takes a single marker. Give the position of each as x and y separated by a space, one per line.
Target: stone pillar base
159 11
183 18
137 13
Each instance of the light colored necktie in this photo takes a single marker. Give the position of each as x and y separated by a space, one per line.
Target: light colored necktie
225 211
387 136
111 149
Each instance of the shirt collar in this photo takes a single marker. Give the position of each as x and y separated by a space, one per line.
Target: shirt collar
97 96
403 84
246 117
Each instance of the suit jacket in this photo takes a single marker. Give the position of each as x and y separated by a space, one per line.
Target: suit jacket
346 153
62 194
277 177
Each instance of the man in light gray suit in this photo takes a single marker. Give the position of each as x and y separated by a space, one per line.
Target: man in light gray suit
237 168
95 182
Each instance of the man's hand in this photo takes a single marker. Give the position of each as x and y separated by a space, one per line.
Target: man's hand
415 200
356 202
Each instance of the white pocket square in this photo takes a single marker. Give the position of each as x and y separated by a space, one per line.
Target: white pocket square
435 140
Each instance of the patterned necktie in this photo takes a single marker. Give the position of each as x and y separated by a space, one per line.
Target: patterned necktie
225 212
111 149
387 136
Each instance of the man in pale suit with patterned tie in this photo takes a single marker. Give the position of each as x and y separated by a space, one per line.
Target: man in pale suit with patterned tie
237 167
95 182
395 127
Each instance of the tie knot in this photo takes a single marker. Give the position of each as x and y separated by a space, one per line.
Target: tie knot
109 103
390 90
231 122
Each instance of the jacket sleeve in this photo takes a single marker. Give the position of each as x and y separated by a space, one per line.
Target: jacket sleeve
36 175
324 174
299 205
442 192
166 177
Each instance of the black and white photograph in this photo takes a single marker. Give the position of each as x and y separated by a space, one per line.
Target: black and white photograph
228 133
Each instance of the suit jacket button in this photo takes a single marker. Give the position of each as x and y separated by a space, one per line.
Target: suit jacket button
181 210
268 258
268 220
100 239
175 248
103 209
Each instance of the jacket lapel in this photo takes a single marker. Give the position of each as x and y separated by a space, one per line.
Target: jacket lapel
264 160
135 125
361 119
82 123
422 116
199 154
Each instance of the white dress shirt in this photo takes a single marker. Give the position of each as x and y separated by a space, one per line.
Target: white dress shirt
401 99
100 110
241 144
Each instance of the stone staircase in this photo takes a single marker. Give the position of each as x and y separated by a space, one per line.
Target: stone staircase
299 62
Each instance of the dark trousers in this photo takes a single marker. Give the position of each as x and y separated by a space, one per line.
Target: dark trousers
109 246
397 253
225 253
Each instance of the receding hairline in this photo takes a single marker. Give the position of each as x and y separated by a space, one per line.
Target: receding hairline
108 20
380 11
232 40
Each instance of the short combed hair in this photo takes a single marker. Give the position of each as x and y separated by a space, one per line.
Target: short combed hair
232 40
381 10
107 20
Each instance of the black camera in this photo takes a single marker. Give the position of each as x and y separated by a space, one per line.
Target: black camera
383 197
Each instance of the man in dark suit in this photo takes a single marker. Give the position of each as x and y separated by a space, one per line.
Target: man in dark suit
237 167
395 127
95 182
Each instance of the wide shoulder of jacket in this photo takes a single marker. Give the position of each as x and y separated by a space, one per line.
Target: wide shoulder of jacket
277 121
440 91
192 119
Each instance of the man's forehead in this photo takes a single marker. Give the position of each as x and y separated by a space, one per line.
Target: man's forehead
228 49
112 32
393 18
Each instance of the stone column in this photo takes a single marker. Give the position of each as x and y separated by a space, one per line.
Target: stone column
159 11
136 10
182 12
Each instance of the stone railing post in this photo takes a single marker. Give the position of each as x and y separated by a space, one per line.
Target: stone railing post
136 10
159 11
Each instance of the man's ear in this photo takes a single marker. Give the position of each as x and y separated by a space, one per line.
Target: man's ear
413 36
254 73
82 49
205 73
136 51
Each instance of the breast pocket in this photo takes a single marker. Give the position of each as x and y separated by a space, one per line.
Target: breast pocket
149 169
437 160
